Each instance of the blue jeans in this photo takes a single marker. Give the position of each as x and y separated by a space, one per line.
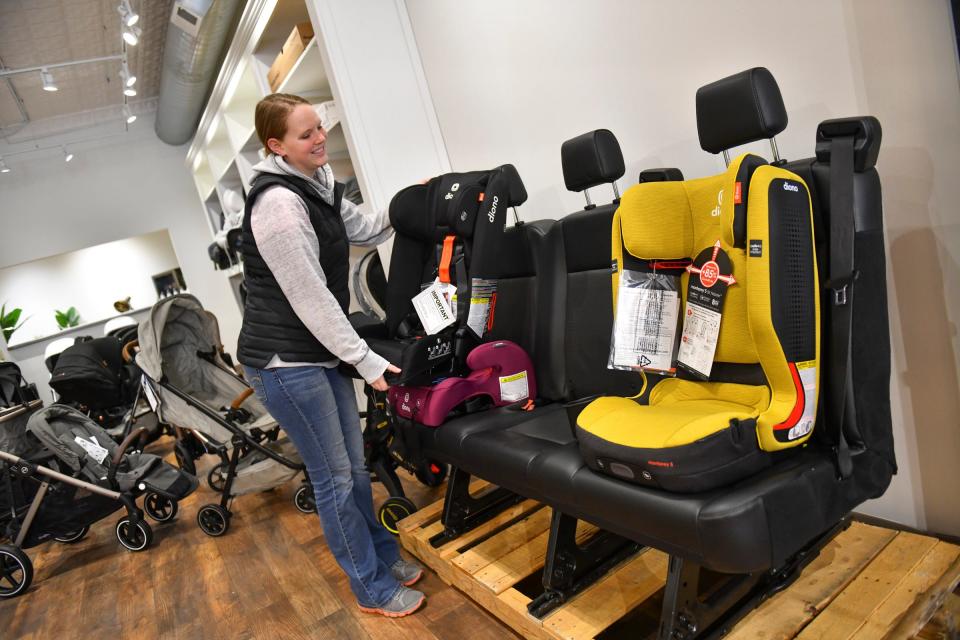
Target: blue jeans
317 409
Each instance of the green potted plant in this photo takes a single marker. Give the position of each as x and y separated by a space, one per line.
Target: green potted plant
68 318
9 321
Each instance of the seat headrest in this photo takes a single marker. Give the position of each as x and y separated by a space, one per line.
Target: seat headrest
738 109
453 202
664 174
517 193
591 159
410 215
866 134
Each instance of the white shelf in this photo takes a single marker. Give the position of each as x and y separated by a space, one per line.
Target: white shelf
307 78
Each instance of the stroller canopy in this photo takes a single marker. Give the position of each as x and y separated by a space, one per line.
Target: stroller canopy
177 330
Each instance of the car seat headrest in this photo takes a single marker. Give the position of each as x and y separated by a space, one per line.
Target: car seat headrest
410 215
738 109
517 191
591 159
665 174
866 134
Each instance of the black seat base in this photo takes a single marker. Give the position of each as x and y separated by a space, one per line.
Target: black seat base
753 525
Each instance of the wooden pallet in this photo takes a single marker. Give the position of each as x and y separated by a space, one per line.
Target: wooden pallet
868 582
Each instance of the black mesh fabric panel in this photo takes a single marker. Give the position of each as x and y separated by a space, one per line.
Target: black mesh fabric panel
791 270
587 338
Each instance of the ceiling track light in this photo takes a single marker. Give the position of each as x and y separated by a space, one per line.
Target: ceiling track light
3 167
131 35
67 156
128 114
130 92
47 78
128 79
129 16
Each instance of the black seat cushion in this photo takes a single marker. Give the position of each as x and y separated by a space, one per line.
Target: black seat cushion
750 526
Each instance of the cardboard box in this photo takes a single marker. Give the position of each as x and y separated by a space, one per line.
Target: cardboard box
294 46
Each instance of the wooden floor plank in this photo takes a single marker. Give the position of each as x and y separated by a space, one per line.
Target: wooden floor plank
909 590
837 565
870 588
927 605
271 576
611 598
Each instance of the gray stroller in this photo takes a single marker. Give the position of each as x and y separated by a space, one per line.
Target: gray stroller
60 472
190 385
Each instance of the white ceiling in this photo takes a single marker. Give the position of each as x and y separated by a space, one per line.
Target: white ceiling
38 32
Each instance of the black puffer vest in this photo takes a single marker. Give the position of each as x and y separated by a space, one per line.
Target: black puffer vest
270 326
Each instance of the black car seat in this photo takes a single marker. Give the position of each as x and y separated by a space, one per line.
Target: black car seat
449 228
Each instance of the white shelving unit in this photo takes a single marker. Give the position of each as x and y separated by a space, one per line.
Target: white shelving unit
331 68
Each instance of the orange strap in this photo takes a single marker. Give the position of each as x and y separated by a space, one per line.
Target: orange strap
445 257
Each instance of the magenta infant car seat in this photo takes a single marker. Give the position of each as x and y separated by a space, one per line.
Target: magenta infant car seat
501 371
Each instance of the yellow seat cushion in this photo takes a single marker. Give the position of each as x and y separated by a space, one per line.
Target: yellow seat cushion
680 412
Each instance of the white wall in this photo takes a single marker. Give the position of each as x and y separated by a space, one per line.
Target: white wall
116 187
90 280
511 81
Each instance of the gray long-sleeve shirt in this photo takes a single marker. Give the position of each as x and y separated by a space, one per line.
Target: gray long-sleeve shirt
288 244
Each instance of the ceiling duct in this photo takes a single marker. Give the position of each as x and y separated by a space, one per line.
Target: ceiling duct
197 38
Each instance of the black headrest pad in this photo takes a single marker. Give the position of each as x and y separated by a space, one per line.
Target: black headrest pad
410 215
866 134
591 159
517 192
738 109
664 174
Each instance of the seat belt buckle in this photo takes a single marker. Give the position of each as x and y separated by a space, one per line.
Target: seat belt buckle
842 288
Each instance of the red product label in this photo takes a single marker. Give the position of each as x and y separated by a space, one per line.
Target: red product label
738 193
709 274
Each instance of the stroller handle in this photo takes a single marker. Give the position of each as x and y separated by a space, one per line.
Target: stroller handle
128 350
240 399
28 468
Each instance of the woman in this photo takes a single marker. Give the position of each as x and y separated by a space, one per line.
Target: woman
297 232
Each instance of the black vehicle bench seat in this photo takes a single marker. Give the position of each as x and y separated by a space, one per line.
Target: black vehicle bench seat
750 526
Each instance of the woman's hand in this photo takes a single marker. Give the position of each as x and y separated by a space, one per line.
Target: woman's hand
380 384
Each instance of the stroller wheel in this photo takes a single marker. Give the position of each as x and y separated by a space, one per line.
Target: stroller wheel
393 510
16 571
74 536
215 477
160 508
432 473
135 537
304 499
213 519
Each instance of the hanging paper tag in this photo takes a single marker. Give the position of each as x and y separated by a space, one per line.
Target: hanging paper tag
710 275
808 380
481 292
645 326
151 395
514 387
433 308
93 448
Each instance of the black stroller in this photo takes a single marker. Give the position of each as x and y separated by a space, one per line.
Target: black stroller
60 473
94 377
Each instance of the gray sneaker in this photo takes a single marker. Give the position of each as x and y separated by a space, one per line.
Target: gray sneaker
406 573
403 603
